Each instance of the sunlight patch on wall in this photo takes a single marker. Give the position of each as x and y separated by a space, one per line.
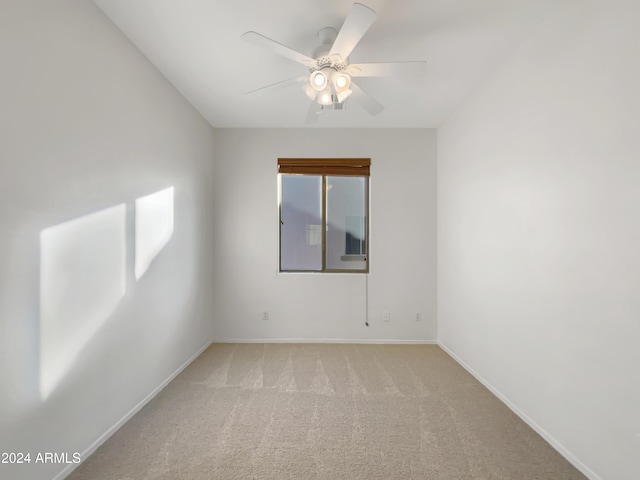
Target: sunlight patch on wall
154 227
82 281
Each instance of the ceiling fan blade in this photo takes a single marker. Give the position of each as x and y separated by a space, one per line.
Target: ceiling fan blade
313 113
278 85
353 29
280 49
365 100
388 69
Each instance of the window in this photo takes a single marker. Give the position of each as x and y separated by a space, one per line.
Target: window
324 208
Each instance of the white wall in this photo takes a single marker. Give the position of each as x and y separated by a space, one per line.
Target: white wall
87 123
325 306
539 233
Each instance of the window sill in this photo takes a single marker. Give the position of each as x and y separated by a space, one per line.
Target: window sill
353 258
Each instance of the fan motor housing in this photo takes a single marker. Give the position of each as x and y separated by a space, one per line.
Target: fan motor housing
327 36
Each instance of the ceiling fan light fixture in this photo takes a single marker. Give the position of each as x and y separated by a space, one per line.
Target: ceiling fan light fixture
342 96
310 91
318 80
341 81
325 98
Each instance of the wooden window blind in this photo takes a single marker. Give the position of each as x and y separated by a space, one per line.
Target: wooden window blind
353 167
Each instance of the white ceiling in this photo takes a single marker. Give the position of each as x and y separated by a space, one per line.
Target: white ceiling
196 44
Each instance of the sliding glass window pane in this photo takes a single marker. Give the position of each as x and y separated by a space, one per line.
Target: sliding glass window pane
346 223
301 223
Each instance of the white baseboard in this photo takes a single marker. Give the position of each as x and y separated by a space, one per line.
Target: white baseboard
525 418
327 340
105 436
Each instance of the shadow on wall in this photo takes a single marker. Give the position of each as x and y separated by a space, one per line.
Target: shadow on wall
83 271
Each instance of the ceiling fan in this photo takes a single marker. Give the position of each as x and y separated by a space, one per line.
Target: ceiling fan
329 81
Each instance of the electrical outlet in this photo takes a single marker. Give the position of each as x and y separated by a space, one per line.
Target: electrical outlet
386 316
418 316
265 315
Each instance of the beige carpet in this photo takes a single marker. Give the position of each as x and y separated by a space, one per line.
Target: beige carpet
304 412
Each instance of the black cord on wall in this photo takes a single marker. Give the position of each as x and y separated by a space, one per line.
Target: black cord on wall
366 299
